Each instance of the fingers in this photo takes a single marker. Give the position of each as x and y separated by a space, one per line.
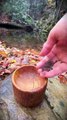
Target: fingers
57 70
42 62
51 41
50 57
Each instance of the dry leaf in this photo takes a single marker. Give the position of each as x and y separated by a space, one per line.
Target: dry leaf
63 79
3 52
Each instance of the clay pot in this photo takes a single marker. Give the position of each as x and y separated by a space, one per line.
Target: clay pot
28 86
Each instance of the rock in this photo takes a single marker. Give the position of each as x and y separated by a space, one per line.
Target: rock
4 114
16 112
57 97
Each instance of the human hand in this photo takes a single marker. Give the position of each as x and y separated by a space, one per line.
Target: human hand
55 50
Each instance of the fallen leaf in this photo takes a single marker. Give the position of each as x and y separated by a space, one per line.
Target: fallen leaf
63 79
3 52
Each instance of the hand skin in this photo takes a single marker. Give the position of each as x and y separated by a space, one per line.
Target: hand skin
55 49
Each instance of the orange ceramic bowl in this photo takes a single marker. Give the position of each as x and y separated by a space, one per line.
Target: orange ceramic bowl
28 86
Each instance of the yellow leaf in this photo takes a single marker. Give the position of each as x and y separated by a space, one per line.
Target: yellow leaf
13 61
33 62
3 53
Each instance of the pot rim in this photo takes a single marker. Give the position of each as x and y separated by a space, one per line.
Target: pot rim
34 90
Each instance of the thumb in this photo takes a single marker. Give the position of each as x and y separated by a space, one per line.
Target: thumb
48 45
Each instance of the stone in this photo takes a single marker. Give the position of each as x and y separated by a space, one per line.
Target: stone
56 94
17 112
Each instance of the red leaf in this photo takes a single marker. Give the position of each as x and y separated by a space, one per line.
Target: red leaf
63 79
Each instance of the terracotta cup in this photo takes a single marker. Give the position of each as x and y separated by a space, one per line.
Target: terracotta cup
28 86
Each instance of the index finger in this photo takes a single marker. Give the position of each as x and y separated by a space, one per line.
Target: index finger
48 45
